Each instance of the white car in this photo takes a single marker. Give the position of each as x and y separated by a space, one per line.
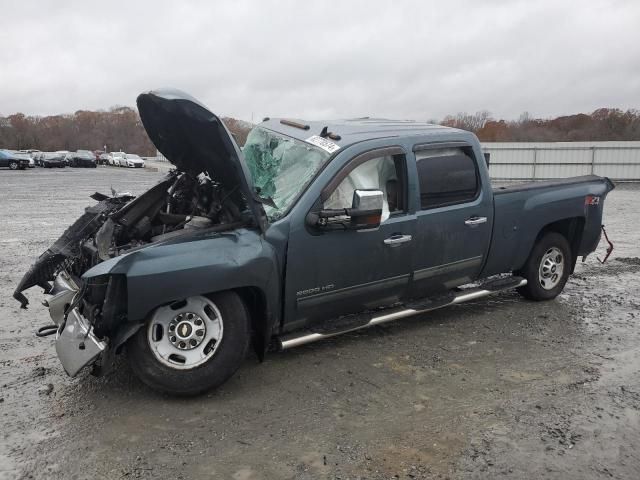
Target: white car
114 158
34 155
24 155
131 160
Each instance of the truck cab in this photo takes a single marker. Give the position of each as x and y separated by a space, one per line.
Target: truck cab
434 193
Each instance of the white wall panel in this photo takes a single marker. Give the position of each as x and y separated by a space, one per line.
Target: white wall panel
544 160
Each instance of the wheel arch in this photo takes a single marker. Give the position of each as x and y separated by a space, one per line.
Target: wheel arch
255 299
571 228
257 304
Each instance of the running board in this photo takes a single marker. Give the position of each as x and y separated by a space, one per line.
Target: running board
300 338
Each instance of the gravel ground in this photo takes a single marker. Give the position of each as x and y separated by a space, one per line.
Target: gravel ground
499 388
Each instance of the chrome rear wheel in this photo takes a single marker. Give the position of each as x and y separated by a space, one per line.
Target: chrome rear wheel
547 268
552 265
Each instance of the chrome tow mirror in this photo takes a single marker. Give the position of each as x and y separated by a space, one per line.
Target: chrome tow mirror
365 213
366 209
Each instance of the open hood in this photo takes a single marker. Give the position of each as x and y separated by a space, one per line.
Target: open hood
196 141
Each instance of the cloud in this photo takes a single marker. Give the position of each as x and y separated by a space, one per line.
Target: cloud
410 59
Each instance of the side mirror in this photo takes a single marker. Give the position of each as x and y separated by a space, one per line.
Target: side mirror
366 209
365 213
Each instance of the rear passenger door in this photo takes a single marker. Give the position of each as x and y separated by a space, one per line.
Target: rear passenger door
454 219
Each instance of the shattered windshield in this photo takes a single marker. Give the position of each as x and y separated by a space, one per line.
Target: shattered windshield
281 167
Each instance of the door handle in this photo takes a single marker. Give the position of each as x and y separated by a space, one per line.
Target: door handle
475 221
397 239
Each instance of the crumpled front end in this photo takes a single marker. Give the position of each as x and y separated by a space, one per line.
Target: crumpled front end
210 191
90 311
76 343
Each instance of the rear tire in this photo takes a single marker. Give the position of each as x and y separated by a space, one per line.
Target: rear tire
13 165
547 268
153 357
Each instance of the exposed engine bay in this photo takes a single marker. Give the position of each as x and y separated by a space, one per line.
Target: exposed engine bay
210 191
178 204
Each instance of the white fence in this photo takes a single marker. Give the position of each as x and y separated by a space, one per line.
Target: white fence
531 161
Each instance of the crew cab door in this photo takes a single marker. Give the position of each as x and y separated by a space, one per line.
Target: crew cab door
336 272
454 218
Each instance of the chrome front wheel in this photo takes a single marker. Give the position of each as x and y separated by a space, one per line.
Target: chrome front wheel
192 345
185 334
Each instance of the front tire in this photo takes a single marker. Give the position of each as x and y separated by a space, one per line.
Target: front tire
547 268
193 345
13 165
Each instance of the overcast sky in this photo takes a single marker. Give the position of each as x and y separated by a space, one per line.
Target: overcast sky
324 59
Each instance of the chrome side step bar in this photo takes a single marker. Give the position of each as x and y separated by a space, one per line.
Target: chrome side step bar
300 338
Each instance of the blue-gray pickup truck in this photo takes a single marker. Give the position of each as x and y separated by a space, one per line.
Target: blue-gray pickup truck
311 230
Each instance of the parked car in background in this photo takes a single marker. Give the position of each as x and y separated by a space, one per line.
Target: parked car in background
36 158
39 158
64 154
81 158
25 155
53 159
28 154
15 161
103 159
31 153
131 160
114 158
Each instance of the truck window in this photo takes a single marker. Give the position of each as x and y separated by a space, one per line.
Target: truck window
446 176
385 173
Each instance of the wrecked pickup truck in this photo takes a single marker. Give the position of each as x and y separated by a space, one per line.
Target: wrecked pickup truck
312 230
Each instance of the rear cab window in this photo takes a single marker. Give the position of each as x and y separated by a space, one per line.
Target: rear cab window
446 176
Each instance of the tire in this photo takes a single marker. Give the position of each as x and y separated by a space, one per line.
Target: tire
167 375
547 268
13 165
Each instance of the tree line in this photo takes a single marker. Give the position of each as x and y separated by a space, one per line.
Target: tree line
604 124
120 129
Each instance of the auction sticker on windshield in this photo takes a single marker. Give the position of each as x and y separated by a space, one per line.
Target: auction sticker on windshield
323 143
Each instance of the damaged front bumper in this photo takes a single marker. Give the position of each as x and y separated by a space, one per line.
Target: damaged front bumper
76 344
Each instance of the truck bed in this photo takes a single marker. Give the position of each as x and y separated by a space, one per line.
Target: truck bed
522 211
